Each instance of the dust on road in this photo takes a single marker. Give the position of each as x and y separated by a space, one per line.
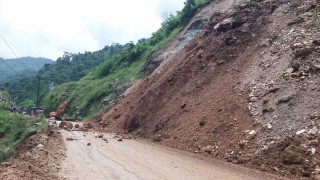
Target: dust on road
135 159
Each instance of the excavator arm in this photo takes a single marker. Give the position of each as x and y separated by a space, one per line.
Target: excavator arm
57 114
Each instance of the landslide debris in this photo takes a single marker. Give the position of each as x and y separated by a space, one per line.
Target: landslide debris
244 88
38 157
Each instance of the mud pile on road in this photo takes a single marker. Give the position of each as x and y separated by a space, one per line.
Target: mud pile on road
245 89
38 157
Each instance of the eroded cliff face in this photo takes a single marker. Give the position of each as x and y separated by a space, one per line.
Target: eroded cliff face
244 87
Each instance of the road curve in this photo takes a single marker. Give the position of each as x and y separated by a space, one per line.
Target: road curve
135 159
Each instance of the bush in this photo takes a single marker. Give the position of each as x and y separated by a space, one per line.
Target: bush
14 128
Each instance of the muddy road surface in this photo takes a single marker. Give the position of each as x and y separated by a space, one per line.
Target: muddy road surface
90 157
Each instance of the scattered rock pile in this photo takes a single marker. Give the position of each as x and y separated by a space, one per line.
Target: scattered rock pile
296 155
38 157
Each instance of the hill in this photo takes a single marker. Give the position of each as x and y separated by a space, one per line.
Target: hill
106 83
69 67
244 89
235 80
21 67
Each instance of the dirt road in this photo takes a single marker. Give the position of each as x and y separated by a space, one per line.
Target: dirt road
134 159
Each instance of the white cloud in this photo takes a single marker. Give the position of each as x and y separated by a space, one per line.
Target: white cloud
47 28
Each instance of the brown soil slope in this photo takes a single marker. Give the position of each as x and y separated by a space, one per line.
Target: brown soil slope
245 89
37 157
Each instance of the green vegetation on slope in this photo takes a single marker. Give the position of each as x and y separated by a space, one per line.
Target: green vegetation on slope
70 67
108 81
14 128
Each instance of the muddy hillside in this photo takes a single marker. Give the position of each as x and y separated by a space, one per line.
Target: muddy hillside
241 83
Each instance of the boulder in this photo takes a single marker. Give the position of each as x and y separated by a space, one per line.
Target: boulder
224 25
313 143
265 43
302 52
40 146
311 151
253 99
105 139
295 65
296 46
230 40
208 149
69 139
221 62
88 125
251 134
285 99
269 126
157 138
243 160
243 143
288 72
65 125
314 67
292 155
313 131
202 123
316 42
300 132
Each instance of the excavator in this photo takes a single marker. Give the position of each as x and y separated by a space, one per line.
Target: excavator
58 114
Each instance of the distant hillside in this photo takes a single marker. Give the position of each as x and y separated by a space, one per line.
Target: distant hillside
21 67
70 67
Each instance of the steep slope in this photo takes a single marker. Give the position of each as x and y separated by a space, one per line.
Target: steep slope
106 83
243 89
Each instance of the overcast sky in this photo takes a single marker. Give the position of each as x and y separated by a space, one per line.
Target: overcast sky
47 28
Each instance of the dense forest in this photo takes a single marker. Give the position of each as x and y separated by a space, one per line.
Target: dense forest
91 81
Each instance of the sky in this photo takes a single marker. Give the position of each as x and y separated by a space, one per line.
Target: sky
48 28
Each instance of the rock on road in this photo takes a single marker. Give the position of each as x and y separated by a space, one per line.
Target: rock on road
135 159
